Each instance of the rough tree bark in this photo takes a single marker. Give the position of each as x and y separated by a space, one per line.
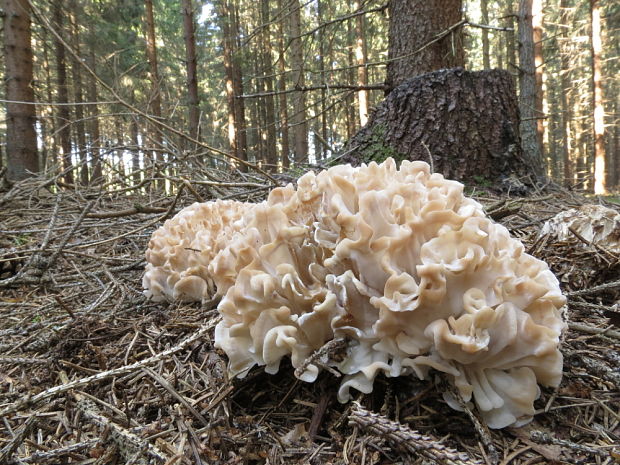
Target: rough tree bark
414 24
21 142
467 121
527 89
191 64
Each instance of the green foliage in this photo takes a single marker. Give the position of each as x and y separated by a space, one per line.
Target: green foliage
377 150
21 239
482 181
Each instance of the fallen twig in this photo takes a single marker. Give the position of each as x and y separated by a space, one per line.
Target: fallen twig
407 439
56 390
596 289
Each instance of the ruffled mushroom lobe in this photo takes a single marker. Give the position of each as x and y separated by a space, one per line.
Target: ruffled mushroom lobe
396 261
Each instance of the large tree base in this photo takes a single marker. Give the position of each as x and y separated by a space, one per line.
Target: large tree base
465 123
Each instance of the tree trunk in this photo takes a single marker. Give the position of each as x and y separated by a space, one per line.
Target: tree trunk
21 141
238 85
95 138
268 104
298 119
76 68
527 87
155 97
486 56
234 84
599 113
468 122
135 151
539 63
613 151
414 24
282 99
255 110
564 104
361 58
63 114
511 62
323 118
50 141
191 64
351 119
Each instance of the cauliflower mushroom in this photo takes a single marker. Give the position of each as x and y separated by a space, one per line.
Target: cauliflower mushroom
403 266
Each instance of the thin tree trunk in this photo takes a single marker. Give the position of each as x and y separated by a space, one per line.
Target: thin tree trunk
616 146
541 110
298 119
50 142
135 151
361 58
486 59
350 98
269 104
599 112
323 118
227 46
501 47
21 143
191 65
238 86
95 138
63 114
413 45
78 92
255 111
509 22
155 97
282 98
527 86
234 88
564 95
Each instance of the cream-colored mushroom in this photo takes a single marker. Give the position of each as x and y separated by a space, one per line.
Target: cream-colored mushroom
180 251
404 267
595 223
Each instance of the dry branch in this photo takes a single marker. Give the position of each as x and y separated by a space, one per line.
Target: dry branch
57 390
405 438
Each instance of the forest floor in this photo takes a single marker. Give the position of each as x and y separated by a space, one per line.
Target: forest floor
93 373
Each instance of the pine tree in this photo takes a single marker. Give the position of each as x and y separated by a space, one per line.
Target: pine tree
21 144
